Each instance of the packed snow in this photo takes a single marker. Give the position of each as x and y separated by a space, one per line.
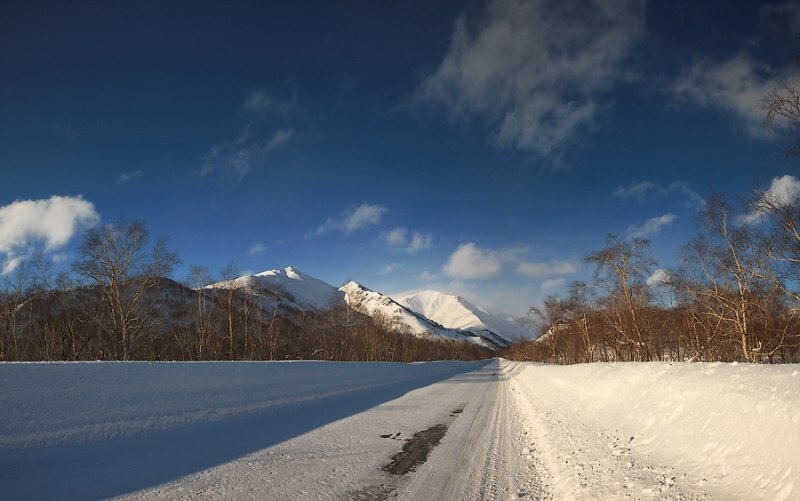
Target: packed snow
323 430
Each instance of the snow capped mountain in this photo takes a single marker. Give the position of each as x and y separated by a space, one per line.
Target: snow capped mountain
375 304
456 312
427 312
289 288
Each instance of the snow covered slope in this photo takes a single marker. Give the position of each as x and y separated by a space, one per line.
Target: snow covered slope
373 304
291 287
456 312
431 312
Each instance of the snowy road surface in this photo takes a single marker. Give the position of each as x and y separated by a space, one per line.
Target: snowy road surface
443 430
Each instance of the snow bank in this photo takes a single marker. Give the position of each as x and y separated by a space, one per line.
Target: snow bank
733 430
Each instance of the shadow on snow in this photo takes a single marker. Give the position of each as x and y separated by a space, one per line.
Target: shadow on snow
118 466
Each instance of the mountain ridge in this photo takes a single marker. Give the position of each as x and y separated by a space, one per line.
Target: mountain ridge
441 315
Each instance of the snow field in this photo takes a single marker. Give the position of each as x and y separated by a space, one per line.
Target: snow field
323 430
666 431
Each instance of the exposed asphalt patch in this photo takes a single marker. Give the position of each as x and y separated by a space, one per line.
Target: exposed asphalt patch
414 453
415 450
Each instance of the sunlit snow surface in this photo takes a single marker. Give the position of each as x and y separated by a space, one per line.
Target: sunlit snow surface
456 312
289 429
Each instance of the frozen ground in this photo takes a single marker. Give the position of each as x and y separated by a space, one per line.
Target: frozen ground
442 430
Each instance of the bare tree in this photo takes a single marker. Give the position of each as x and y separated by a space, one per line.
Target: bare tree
782 107
622 268
198 278
722 270
228 283
13 298
124 269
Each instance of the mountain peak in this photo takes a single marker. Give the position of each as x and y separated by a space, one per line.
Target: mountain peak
298 290
455 312
289 271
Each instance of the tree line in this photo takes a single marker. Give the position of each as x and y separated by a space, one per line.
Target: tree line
118 302
735 295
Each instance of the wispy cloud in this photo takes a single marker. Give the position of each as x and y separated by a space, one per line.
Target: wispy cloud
639 191
659 277
347 222
537 72
257 249
736 86
783 191
127 177
784 13
645 191
651 227
552 284
278 140
67 134
390 268
259 103
402 238
233 159
546 269
50 222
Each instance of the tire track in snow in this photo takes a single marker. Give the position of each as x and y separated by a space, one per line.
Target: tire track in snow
484 455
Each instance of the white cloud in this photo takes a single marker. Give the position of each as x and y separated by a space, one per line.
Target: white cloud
736 86
536 71
125 178
552 284
644 191
659 277
783 191
401 238
51 222
397 237
10 264
691 198
652 226
257 249
363 216
472 262
419 242
548 269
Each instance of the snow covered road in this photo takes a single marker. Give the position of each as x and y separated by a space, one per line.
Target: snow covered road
478 457
443 430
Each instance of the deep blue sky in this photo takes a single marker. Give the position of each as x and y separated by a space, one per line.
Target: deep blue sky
481 148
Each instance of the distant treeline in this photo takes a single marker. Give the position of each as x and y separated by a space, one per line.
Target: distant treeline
734 297
117 303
